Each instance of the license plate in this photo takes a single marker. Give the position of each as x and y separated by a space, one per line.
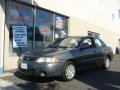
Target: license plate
24 66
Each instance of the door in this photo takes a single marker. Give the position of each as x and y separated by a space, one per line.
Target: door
88 52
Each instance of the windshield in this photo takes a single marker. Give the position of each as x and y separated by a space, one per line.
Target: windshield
65 43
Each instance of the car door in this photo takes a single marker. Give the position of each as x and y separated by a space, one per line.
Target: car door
101 49
88 52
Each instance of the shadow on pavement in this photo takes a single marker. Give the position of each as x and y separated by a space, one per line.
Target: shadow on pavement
25 82
37 83
36 86
101 80
32 86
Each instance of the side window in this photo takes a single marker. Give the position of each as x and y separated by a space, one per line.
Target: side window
87 43
98 43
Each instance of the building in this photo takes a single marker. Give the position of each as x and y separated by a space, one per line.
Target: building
28 25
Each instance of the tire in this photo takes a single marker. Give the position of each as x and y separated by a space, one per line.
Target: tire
106 64
69 71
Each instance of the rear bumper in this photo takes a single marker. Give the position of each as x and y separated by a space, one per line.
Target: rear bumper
42 70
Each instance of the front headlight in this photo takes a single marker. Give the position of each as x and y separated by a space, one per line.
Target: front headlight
41 60
47 60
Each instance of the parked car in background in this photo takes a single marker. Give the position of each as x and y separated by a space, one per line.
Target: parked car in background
65 57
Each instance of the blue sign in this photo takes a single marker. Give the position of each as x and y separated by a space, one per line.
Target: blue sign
19 36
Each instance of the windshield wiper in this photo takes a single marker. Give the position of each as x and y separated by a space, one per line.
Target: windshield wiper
57 47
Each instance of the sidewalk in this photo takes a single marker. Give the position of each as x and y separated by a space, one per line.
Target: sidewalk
6 85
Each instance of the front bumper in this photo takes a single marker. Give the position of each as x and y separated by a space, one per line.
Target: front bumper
41 69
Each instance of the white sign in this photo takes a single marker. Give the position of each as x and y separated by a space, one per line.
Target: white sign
19 36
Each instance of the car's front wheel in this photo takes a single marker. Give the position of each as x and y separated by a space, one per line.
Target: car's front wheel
68 71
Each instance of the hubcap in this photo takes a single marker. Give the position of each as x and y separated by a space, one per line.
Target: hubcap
107 63
70 71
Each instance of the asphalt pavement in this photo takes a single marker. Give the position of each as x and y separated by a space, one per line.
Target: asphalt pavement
91 79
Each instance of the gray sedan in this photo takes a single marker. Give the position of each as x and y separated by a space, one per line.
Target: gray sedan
65 57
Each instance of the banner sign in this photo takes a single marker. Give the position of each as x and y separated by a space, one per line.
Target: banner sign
19 36
59 23
44 30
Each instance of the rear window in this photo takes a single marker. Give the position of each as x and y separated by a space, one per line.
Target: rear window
99 43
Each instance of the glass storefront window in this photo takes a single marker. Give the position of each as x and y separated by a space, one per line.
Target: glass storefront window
20 15
43 28
60 27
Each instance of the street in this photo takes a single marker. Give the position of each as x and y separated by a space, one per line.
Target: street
91 79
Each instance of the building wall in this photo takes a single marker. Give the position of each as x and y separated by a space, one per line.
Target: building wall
78 27
2 22
10 62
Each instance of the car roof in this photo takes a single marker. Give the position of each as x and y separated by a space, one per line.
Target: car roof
82 37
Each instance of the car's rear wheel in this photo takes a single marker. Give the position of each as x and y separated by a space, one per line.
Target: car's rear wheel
68 71
106 64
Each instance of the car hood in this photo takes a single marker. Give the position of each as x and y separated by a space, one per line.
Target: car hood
47 52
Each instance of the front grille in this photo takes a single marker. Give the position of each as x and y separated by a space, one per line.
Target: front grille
30 71
29 58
